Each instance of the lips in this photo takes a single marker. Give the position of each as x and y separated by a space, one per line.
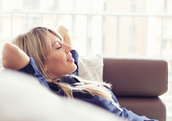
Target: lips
70 59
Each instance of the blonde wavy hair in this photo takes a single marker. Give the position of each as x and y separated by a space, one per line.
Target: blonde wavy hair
36 43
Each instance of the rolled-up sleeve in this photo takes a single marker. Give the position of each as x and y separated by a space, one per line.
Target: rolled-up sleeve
32 69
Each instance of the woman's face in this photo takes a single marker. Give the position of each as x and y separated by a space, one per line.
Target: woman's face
59 61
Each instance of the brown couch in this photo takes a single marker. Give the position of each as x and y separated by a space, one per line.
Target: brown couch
138 83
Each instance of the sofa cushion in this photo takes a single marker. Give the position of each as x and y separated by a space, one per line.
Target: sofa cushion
91 67
23 98
153 108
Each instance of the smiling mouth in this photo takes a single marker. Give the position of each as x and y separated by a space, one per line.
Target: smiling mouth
70 59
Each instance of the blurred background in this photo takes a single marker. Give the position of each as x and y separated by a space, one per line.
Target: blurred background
125 28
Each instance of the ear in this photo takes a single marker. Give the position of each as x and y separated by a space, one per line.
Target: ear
45 68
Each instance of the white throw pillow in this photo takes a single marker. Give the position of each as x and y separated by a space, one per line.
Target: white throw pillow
91 68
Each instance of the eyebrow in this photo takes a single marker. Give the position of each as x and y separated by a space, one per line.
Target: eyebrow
55 42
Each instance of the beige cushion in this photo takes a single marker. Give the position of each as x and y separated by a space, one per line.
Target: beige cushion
91 68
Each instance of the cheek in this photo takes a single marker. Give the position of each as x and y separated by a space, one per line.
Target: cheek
60 58
55 56
53 65
57 60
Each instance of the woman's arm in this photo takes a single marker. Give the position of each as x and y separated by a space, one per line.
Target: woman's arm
13 57
65 34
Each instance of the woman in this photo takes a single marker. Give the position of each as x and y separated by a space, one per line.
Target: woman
47 55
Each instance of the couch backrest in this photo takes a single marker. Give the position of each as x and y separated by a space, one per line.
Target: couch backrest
136 77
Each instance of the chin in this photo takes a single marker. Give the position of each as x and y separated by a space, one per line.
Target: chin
74 68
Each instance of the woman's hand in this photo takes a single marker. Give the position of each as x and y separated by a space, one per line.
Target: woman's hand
13 57
65 34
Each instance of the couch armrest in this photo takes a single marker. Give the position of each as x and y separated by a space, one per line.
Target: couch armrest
136 77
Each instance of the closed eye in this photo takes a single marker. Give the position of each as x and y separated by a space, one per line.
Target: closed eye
58 48
58 45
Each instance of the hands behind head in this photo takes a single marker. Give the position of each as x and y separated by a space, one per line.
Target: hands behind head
13 57
65 35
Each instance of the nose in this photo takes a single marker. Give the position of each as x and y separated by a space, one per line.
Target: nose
67 47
